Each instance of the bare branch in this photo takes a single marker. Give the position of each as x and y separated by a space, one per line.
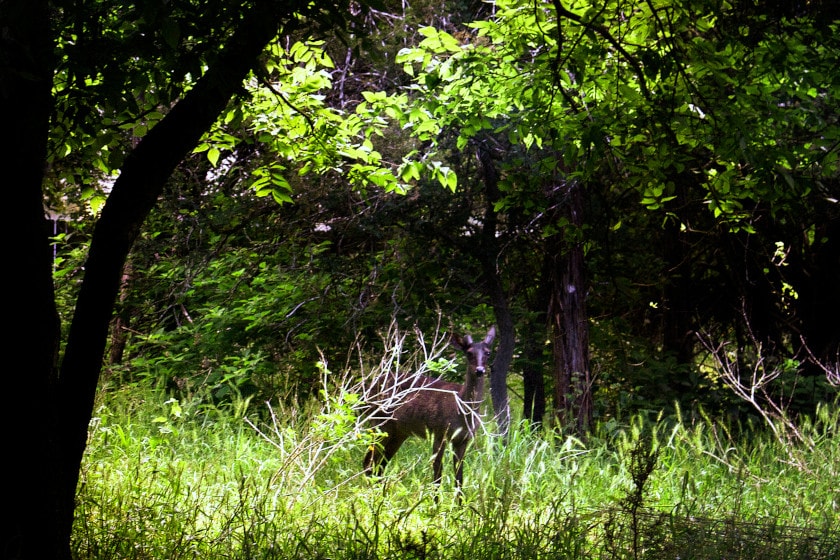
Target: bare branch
752 386
832 371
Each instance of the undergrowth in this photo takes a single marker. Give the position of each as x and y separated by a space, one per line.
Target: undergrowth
169 479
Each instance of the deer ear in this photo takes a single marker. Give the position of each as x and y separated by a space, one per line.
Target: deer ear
491 334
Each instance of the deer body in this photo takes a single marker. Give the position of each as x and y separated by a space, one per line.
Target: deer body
447 411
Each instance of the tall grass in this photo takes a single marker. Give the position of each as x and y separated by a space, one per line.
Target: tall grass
165 479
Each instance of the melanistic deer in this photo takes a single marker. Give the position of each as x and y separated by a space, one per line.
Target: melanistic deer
421 405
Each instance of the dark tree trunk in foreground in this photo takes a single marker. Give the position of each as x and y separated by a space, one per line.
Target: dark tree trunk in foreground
569 319
135 192
32 338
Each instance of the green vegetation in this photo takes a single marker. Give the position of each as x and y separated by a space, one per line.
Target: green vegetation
170 479
218 197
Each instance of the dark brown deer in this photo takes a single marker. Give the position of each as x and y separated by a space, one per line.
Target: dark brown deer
423 405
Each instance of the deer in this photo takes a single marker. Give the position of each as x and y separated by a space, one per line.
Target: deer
424 405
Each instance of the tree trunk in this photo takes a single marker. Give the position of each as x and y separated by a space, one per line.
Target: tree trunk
533 380
569 320
488 256
818 305
503 355
141 181
122 322
33 334
677 329
533 348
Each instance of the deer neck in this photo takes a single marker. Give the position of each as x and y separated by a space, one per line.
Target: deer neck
473 390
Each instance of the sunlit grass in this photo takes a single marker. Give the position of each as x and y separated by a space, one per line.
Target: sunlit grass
164 479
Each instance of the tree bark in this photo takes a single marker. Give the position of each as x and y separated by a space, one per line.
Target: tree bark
122 322
503 355
488 256
533 380
32 339
569 319
140 182
533 343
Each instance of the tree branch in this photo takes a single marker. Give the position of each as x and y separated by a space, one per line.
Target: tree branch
604 32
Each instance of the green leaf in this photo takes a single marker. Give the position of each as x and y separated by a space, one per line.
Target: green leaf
171 32
213 156
372 97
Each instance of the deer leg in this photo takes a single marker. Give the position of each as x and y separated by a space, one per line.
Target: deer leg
460 449
380 453
437 462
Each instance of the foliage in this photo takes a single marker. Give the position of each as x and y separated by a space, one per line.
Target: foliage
726 134
234 318
288 117
704 136
707 148
202 482
119 70
644 100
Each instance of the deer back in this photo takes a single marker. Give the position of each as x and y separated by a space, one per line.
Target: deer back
439 407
